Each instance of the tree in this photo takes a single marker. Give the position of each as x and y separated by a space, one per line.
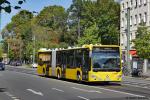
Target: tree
18 33
90 36
142 41
105 13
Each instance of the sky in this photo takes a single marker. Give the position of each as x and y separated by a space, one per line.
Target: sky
31 5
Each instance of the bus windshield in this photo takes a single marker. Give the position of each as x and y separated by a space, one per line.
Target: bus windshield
106 59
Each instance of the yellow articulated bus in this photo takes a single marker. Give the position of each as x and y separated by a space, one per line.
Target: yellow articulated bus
90 63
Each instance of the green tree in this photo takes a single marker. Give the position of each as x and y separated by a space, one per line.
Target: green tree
18 33
90 36
142 41
105 13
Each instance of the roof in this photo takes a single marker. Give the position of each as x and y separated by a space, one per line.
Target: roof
73 48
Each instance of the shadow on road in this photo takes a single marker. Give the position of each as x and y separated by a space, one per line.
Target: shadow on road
2 89
90 83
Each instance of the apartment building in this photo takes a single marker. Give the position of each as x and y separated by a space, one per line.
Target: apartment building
139 11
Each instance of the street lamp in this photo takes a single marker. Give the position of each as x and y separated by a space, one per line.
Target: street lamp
33 38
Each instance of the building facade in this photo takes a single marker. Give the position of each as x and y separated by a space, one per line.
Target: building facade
139 11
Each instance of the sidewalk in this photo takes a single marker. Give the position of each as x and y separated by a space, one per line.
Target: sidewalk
24 66
143 78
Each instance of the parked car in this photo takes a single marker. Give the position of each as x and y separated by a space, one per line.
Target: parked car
2 66
16 63
34 65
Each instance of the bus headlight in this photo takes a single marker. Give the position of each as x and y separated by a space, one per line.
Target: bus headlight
119 76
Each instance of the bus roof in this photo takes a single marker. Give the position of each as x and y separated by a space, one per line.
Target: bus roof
73 48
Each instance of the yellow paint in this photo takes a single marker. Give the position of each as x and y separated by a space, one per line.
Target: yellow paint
105 76
71 73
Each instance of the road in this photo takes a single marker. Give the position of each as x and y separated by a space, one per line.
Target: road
23 84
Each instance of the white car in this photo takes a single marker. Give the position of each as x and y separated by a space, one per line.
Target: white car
34 65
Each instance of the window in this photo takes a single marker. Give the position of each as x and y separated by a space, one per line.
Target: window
122 23
131 20
144 1
135 3
131 2
123 6
145 17
82 58
127 5
130 36
44 58
135 21
140 18
140 2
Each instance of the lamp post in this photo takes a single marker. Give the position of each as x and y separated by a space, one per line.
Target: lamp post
33 38
33 49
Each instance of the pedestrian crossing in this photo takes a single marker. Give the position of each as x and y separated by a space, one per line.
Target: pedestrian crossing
137 84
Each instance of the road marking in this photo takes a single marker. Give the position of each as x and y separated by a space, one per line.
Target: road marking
100 88
84 90
57 89
119 92
38 93
136 86
133 82
83 98
11 96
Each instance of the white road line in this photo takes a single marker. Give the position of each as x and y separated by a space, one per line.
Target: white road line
11 96
146 83
38 93
83 98
57 89
14 97
119 92
84 90
101 88
136 86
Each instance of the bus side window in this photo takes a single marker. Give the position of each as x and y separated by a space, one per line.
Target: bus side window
78 58
85 59
40 62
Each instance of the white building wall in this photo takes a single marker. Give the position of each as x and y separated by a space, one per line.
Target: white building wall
137 13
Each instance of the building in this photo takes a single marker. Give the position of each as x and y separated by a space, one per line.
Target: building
139 11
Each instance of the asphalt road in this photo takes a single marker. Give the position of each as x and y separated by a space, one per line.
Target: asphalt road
20 84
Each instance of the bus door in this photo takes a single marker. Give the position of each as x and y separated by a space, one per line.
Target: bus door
85 64
48 65
63 65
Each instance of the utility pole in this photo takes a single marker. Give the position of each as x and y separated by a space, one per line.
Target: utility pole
78 27
33 49
128 40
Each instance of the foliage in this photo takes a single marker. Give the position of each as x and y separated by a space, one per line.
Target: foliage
84 22
105 13
142 41
1 51
90 36
18 33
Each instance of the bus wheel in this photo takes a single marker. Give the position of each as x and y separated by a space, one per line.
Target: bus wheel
78 77
58 74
